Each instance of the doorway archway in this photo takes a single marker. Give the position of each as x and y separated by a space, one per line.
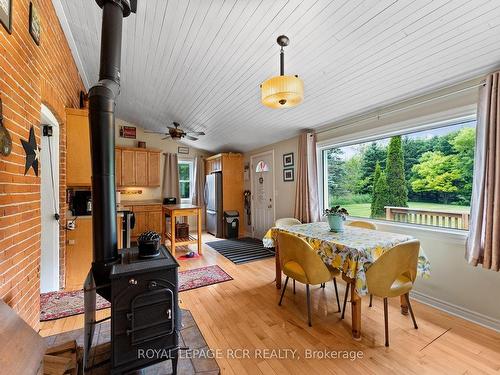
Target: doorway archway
49 191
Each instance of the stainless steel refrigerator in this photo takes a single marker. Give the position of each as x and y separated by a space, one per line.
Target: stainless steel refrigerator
213 202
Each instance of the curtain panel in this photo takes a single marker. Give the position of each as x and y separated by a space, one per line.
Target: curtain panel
199 182
306 194
171 177
483 242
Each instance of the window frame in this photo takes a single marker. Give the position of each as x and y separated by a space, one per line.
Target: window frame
356 138
189 162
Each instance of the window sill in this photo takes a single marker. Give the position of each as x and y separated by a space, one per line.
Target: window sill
445 234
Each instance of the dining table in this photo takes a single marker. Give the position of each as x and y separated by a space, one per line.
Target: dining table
351 251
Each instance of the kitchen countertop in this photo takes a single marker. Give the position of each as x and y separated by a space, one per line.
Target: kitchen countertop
145 202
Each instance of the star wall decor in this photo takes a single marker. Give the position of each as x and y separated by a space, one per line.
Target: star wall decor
32 153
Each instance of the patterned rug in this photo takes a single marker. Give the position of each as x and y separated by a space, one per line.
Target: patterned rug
56 305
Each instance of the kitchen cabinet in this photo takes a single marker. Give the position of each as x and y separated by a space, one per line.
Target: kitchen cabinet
78 162
133 166
79 250
138 167
147 218
153 169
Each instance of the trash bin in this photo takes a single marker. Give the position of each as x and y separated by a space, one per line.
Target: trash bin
232 223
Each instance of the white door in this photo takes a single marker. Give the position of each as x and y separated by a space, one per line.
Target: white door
262 171
49 162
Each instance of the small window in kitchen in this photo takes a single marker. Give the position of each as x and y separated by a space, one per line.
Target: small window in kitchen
185 180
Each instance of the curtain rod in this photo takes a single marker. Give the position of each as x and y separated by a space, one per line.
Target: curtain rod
380 114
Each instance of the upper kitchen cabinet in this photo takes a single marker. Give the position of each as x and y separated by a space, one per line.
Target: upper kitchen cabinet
78 162
138 167
133 166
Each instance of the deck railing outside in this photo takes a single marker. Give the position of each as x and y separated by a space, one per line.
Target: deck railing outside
456 220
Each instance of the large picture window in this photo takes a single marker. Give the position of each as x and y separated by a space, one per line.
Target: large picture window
185 180
423 177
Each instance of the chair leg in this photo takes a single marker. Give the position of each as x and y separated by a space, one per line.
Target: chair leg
345 300
371 300
323 285
336 293
407 296
283 291
386 321
308 305
293 286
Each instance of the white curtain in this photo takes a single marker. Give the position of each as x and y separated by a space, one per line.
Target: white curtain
306 194
171 177
483 243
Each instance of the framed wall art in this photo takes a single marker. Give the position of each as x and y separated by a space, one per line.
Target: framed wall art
35 24
288 160
288 174
6 14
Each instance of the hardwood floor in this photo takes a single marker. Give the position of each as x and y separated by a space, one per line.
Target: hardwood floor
244 314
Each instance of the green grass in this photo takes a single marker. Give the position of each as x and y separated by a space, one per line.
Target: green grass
363 209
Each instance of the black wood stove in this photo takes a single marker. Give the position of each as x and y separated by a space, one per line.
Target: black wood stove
145 316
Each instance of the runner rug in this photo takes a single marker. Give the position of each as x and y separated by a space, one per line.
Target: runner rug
56 305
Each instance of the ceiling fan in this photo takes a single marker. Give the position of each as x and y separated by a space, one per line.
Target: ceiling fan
177 133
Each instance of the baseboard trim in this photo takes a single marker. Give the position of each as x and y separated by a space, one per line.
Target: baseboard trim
455 310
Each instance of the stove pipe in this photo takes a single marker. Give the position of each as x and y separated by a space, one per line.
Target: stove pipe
102 98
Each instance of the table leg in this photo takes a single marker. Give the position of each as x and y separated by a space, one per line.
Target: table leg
404 305
278 265
199 232
172 233
355 312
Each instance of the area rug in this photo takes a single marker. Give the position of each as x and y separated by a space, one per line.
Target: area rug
56 305
241 250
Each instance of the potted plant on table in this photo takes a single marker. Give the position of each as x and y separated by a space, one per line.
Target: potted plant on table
336 217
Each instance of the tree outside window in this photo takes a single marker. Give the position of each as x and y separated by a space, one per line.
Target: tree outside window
185 180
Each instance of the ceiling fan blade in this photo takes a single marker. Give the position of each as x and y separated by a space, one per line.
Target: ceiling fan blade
190 138
167 137
153 132
196 133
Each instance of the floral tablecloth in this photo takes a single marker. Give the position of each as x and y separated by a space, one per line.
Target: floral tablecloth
351 251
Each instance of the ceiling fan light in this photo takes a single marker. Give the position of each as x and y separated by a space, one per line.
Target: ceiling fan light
282 92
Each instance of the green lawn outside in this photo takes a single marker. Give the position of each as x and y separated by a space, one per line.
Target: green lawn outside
363 209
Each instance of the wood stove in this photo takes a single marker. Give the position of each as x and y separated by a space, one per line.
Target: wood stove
143 292
145 317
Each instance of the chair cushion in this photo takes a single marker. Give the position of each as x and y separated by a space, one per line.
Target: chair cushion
401 285
295 271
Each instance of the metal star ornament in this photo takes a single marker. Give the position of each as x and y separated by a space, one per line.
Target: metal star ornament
32 153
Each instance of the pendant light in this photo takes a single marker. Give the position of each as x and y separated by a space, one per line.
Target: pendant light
282 91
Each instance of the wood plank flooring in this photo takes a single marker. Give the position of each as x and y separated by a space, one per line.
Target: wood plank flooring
244 314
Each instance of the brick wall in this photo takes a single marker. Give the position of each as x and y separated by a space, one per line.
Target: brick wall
30 76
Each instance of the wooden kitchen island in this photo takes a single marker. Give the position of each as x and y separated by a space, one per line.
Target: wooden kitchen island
175 211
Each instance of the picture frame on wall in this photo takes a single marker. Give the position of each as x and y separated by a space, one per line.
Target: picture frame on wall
6 14
35 25
288 160
288 174
183 150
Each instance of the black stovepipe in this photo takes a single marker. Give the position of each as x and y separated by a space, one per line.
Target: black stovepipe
102 98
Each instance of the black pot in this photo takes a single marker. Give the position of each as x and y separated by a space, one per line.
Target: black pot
149 244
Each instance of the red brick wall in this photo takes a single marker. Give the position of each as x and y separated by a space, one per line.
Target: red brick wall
30 76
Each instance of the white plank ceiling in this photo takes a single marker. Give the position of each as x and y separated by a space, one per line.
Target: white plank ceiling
200 62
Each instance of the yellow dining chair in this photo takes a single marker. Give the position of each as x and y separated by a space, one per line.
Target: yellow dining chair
362 224
301 262
365 225
393 275
286 221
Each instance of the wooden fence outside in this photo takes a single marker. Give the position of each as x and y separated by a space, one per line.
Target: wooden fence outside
456 220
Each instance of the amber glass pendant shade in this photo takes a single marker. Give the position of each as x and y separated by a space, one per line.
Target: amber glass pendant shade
282 91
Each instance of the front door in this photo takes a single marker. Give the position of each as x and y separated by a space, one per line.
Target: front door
262 171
